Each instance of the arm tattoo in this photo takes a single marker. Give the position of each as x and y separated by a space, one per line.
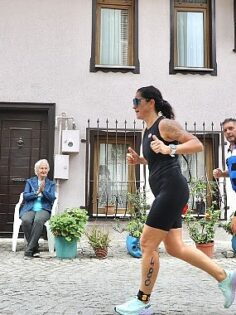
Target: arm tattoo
173 130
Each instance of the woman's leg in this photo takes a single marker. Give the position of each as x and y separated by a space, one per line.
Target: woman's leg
150 241
40 218
227 280
27 223
175 247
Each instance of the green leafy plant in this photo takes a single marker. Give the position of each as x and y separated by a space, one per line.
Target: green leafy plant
202 230
137 204
98 238
203 191
137 210
227 226
198 188
70 224
135 226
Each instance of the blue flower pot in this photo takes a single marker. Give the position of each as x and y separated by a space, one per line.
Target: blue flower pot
133 246
65 249
233 242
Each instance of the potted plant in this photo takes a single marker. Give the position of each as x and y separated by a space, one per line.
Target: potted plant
68 227
135 228
202 230
137 211
109 207
99 240
227 227
202 192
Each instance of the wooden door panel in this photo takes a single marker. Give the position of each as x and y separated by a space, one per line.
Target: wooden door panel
24 139
3 189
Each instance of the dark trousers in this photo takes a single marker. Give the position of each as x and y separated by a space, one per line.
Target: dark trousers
32 226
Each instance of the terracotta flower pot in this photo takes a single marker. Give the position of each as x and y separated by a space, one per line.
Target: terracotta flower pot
110 209
101 253
207 248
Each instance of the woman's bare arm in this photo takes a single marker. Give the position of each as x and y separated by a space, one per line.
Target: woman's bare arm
171 130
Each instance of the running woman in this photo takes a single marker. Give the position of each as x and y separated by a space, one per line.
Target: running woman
163 140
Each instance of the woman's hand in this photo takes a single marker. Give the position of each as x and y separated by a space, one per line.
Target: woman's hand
158 146
217 173
41 187
132 157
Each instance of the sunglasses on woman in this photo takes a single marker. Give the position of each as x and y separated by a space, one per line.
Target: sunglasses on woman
137 101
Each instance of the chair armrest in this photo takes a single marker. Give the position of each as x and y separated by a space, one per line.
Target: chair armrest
54 207
17 207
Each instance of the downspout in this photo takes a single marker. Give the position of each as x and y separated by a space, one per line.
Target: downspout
59 126
60 121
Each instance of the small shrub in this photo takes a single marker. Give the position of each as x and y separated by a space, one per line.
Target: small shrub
70 224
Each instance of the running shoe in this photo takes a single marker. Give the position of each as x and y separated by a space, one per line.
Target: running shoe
134 307
228 288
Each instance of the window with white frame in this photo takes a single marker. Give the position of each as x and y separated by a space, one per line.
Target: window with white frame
114 36
193 36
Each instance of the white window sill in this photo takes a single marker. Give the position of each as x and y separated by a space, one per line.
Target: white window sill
115 66
193 69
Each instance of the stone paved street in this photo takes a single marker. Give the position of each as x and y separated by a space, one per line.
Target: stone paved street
86 285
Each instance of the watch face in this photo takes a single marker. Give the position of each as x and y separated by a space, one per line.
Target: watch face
173 149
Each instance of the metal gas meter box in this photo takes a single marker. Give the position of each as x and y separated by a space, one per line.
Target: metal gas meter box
61 166
70 141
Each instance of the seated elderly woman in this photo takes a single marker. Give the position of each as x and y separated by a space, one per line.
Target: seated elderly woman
39 195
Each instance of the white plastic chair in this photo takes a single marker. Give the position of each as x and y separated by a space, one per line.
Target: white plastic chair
17 224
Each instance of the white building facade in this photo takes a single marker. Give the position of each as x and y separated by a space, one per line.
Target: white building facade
88 58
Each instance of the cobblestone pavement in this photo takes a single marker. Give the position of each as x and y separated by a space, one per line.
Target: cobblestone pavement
86 285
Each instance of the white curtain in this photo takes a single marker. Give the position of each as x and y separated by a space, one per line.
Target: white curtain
114 37
113 174
195 165
190 39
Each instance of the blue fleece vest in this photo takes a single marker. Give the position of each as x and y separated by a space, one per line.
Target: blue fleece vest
231 164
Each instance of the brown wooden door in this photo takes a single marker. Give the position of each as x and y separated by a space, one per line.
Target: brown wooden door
24 139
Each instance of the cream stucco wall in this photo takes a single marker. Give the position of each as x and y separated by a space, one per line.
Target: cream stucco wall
45 49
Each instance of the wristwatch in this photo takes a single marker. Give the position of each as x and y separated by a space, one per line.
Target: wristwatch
173 149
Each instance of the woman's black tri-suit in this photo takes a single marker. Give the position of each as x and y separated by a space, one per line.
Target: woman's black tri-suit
167 183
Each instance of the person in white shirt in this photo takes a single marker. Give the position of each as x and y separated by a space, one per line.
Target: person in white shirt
229 128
